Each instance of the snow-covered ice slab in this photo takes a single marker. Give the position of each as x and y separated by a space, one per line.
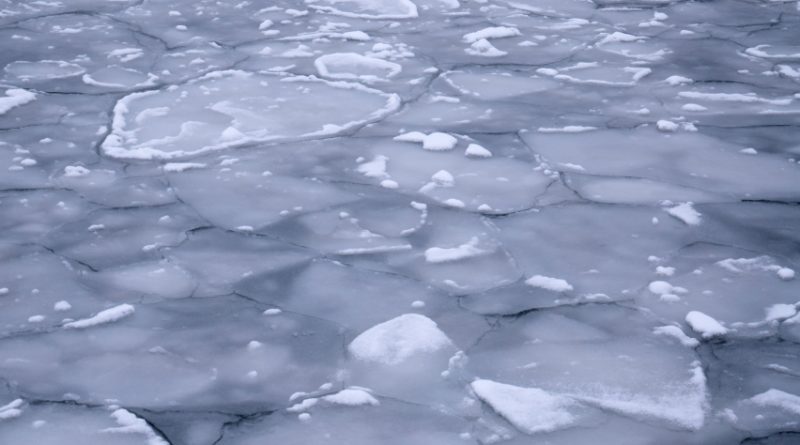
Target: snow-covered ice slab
402 222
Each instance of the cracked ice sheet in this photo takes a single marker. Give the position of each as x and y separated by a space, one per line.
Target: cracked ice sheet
208 208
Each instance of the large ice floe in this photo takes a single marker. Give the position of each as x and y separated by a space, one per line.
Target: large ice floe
399 222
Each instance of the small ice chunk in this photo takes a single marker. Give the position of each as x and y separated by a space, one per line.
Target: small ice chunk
411 136
444 255
453 202
678 334
492 32
304 405
443 178
61 306
616 37
484 48
394 341
177 167
549 283
439 141
693 107
375 168
665 271
784 273
353 396
75 171
686 213
705 325
677 80
107 316
666 126
389 184
477 151
435 141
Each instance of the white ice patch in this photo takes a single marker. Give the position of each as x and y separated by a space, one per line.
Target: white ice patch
15 97
686 213
109 315
393 342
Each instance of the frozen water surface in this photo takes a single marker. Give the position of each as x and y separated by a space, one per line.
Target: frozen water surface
399 222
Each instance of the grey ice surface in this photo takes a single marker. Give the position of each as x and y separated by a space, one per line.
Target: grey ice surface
399 222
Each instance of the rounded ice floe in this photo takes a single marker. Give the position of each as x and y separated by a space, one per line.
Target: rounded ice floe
115 77
782 52
496 84
353 66
229 108
394 341
369 9
26 71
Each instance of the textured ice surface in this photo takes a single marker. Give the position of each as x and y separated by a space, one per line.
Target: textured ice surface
399 222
